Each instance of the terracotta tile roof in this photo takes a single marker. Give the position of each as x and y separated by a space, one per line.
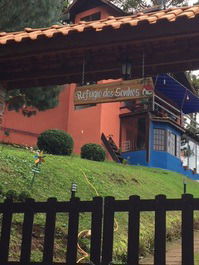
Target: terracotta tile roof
169 15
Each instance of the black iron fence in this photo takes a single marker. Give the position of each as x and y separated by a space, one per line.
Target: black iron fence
102 228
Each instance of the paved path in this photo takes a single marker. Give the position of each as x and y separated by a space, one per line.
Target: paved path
173 255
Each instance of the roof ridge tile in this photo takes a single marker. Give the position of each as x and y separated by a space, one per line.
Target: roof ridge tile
56 26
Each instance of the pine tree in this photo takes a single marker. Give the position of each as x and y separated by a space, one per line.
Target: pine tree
18 14
15 16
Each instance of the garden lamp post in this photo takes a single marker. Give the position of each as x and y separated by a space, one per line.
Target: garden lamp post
184 185
73 190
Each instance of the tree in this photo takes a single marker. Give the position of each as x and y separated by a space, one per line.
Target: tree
15 16
18 14
193 78
130 5
31 100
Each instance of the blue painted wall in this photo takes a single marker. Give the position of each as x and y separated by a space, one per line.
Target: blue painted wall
136 158
159 159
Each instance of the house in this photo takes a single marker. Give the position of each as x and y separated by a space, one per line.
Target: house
148 131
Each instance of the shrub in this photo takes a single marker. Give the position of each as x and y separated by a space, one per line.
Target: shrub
23 196
11 194
55 142
93 152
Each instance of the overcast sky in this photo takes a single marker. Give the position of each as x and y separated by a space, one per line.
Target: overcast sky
191 2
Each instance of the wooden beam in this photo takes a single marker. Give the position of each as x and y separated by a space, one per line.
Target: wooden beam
167 62
115 74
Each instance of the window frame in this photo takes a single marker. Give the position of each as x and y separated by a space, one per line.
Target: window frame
157 145
171 143
92 17
178 146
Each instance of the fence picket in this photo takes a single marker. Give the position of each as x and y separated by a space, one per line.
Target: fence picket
108 229
133 230
49 232
160 231
5 231
187 230
73 231
96 231
27 232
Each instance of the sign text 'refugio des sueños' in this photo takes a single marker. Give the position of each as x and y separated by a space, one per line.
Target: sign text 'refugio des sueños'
112 92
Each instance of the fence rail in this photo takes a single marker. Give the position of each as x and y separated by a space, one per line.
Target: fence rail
102 228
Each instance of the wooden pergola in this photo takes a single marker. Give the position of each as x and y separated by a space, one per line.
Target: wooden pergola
167 40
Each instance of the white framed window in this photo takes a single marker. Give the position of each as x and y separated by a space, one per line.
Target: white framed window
178 145
159 140
171 143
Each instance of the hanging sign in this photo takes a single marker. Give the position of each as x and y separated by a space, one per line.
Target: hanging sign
112 92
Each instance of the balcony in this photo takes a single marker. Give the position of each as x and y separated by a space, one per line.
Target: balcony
162 110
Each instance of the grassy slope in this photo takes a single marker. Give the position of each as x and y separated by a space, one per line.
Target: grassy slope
110 179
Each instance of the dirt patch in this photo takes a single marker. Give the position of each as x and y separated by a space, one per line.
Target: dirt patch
134 180
120 179
60 243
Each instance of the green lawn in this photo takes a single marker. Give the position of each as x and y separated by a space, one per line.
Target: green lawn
196 257
107 178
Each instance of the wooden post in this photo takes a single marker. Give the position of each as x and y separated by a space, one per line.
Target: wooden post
160 231
187 230
133 230
96 231
5 231
73 231
27 232
49 231
108 229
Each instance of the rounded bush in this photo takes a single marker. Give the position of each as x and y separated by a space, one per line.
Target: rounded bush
93 152
56 142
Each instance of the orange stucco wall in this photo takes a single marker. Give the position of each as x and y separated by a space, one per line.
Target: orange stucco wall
84 124
23 126
110 121
87 125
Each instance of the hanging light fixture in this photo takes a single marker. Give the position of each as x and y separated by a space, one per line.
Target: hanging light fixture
126 70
